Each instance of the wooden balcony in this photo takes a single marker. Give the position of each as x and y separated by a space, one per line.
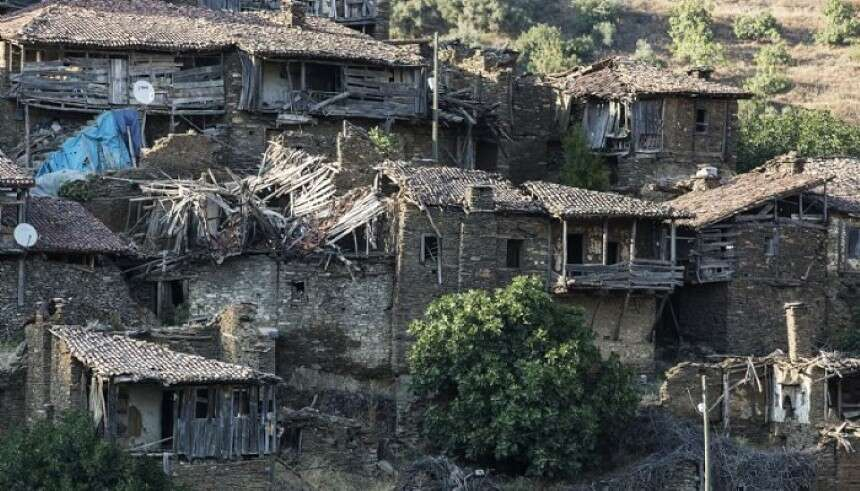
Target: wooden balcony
641 274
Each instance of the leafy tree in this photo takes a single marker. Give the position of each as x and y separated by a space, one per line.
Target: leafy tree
514 379
542 50
415 18
69 455
759 26
582 168
644 52
691 30
770 77
386 143
766 132
840 23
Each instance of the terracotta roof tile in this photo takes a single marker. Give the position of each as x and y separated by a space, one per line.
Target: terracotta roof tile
741 193
112 355
615 78
13 176
153 24
569 202
67 227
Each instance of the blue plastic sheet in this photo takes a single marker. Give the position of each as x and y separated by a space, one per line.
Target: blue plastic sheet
99 147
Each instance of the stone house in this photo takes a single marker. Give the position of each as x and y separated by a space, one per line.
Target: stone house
73 257
757 242
654 125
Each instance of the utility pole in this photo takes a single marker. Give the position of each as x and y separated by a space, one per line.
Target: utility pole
707 443
436 97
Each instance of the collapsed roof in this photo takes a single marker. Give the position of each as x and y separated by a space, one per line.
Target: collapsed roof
115 356
843 186
615 78
13 176
568 202
162 26
741 193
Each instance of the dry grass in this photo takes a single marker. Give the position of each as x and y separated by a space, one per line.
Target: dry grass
824 77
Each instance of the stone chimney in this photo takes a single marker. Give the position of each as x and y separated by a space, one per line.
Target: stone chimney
702 72
39 345
57 307
790 163
706 178
480 197
798 330
295 11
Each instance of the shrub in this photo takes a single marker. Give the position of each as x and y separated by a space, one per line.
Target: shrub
582 168
542 50
605 32
69 454
840 23
387 144
691 30
761 26
644 52
766 132
513 379
770 77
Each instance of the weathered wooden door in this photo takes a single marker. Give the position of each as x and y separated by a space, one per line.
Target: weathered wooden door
118 81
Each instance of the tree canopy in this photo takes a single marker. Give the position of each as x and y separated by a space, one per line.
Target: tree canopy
514 379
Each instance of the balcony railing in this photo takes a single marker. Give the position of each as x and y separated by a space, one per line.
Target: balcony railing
641 274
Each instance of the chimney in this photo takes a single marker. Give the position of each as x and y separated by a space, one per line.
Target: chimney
798 330
702 72
480 197
790 163
706 178
295 11
58 305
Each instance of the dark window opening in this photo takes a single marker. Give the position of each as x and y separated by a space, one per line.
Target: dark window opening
167 410
486 155
122 411
514 253
772 244
298 291
612 252
430 248
323 78
575 249
241 402
202 408
853 242
701 121
355 242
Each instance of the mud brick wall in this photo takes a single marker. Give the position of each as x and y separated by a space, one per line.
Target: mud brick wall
606 316
473 253
745 316
209 475
325 317
97 295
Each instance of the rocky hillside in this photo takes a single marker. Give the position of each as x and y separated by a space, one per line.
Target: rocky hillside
824 77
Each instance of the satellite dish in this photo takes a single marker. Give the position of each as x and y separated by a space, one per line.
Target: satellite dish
25 235
143 92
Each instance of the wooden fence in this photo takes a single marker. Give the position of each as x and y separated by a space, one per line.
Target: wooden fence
641 274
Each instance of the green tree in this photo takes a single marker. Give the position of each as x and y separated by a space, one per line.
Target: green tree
415 18
644 52
840 23
766 132
514 379
770 76
691 30
543 50
69 455
582 168
758 26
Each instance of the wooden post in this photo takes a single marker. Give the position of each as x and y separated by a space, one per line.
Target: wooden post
605 246
633 241
705 424
673 248
436 97
27 135
564 249
800 214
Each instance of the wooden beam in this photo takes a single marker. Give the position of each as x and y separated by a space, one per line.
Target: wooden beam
633 240
605 245
673 250
27 136
564 249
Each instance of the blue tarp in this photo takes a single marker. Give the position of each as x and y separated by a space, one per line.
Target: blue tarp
98 147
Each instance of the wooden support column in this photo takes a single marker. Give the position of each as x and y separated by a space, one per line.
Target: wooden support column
633 241
605 245
800 213
27 135
110 417
673 247
564 249
435 129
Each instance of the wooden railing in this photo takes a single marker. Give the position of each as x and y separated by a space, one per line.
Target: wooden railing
641 274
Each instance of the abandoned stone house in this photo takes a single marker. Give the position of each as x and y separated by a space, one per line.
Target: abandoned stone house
655 126
756 242
72 257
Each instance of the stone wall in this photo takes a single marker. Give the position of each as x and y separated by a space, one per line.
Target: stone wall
91 295
209 475
837 469
13 389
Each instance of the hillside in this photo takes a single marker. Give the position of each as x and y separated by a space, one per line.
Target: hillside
824 77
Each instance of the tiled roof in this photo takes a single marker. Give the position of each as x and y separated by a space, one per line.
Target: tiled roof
615 78
447 186
112 355
13 176
843 188
153 24
741 193
568 202
67 227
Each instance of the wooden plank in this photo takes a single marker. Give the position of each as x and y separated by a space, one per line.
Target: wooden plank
118 81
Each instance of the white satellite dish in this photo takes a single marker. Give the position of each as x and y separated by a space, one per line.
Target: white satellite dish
25 235
143 92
